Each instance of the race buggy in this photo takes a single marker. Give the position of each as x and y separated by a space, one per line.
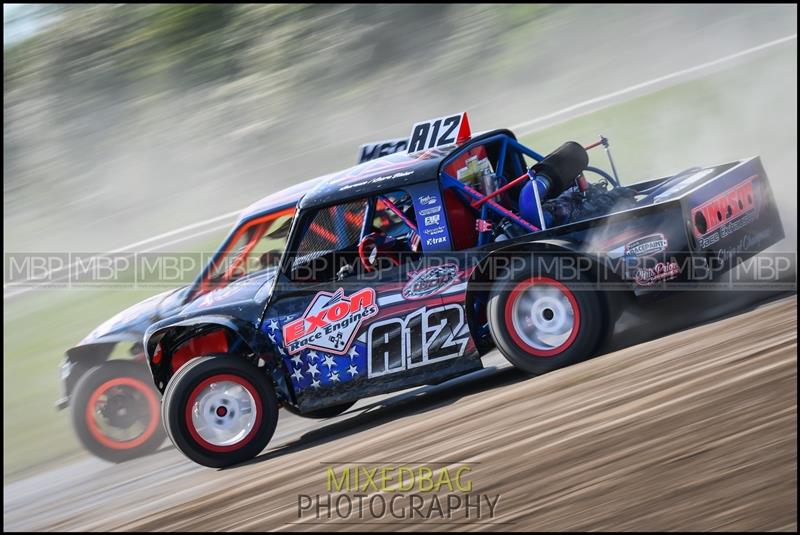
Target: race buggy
115 408
405 269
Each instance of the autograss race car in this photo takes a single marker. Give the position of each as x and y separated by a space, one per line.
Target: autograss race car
115 408
405 269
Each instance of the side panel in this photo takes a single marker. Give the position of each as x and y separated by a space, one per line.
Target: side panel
645 248
413 333
734 216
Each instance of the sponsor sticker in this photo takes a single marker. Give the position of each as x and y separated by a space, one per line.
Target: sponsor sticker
662 271
725 213
330 322
432 224
648 245
429 211
433 219
371 151
430 281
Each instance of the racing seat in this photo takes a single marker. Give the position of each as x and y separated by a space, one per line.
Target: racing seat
461 217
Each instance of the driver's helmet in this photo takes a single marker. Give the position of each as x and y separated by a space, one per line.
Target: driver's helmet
269 259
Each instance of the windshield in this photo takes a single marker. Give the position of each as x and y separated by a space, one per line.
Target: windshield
257 245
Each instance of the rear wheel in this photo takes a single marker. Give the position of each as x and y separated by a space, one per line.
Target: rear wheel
115 411
540 324
219 410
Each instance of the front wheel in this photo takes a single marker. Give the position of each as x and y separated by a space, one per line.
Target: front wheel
115 411
219 410
540 323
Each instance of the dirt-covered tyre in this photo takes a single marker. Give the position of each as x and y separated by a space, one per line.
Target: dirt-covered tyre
219 410
321 414
540 323
115 411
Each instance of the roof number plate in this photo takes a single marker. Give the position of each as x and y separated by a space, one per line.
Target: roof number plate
449 130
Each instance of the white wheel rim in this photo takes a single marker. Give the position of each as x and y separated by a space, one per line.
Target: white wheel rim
224 413
543 316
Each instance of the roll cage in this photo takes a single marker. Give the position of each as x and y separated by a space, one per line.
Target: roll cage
509 158
511 171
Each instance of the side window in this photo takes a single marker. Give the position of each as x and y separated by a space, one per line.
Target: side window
330 237
394 222
394 214
267 251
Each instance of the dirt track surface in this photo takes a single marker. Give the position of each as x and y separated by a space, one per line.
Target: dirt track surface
694 431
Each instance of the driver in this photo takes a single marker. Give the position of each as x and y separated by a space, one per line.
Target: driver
269 259
393 233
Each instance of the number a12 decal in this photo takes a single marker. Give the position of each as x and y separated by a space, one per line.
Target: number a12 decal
421 338
451 130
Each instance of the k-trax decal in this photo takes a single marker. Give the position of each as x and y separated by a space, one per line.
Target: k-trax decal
430 217
430 281
725 213
371 151
330 322
648 245
421 338
439 132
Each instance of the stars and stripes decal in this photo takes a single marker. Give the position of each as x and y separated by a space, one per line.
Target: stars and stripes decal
312 368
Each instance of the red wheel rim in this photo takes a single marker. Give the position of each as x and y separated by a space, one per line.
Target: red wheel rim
91 408
512 323
193 398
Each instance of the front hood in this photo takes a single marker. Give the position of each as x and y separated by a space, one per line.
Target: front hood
240 294
131 323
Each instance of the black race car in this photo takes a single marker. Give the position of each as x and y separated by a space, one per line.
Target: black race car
405 269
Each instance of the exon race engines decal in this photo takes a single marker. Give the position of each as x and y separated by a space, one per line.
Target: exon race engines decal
725 214
330 322
418 339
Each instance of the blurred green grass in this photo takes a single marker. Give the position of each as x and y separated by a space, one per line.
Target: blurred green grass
730 114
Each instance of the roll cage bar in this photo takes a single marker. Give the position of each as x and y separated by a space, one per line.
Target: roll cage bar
485 202
479 201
